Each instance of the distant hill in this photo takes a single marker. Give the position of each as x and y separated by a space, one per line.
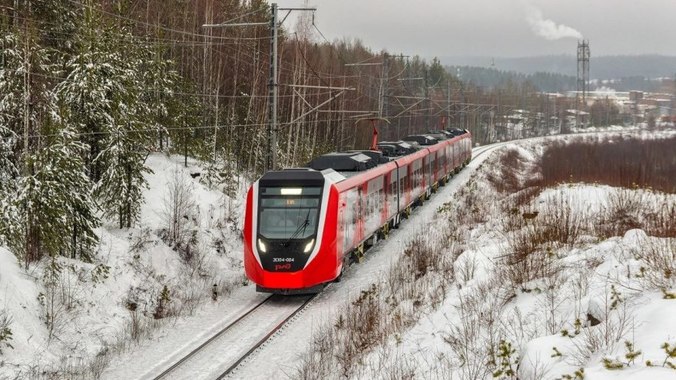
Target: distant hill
490 78
603 68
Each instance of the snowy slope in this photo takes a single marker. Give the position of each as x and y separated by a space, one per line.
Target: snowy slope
93 317
532 317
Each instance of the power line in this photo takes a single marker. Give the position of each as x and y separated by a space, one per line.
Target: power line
146 130
158 41
152 25
315 72
65 79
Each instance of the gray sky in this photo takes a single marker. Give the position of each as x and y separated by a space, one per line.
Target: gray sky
500 28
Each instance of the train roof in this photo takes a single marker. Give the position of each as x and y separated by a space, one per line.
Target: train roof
293 176
440 135
397 148
422 139
375 155
343 161
338 167
457 131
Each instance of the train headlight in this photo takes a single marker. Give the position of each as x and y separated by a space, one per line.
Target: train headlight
261 246
309 246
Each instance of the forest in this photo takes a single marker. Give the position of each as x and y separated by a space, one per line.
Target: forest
90 88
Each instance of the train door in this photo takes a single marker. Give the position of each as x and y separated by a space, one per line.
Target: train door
402 200
425 169
351 206
361 212
374 206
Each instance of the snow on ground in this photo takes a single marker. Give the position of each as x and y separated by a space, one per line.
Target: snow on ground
139 263
282 356
600 294
97 307
19 303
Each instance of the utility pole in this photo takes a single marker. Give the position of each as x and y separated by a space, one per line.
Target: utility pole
583 56
673 101
385 79
273 85
271 156
427 100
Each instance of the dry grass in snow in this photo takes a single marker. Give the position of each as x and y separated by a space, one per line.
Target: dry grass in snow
527 276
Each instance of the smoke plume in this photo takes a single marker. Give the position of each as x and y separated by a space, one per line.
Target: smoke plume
548 29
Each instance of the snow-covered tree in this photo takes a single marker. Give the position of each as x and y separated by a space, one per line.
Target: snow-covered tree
65 157
24 104
8 177
106 93
120 189
95 88
52 210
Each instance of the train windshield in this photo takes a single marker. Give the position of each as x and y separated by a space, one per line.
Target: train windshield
288 213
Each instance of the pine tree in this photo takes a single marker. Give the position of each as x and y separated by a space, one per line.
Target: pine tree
94 87
106 93
65 155
53 199
26 106
120 190
8 178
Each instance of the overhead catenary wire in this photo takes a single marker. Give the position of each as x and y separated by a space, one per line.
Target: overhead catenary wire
191 128
321 76
120 17
173 42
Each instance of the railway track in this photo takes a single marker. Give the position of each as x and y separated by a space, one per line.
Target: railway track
222 353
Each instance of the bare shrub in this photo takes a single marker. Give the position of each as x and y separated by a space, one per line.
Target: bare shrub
99 363
659 218
418 280
473 209
616 161
530 255
466 268
537 369
512 220
320 361
394 366
552 303
658 263
621 214
561 222
179 211
510 163
422 256
465 340
613 327
139 242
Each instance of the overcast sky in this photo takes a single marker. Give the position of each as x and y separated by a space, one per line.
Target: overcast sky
499 28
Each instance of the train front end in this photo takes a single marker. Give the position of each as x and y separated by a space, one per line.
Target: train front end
290 232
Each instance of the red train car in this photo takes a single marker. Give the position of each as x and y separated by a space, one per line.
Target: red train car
303 226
